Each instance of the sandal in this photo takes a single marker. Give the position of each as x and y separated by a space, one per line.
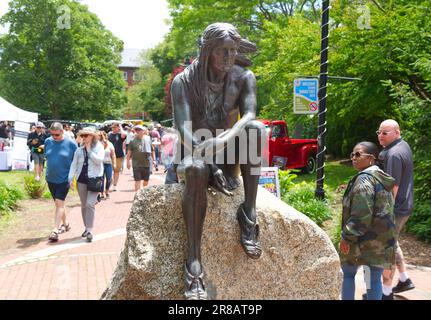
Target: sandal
249 234
195 286
53 237
64 228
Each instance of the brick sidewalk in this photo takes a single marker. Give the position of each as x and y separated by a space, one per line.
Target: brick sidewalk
76 270
72 268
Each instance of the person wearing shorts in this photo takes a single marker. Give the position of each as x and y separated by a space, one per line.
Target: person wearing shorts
59 154
138 151
35 143
397 160
117 137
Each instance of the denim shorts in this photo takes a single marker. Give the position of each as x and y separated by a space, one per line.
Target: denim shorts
59 191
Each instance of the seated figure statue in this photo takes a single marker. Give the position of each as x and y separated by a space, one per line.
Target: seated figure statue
216 93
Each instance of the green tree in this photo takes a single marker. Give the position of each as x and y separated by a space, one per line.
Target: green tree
60 61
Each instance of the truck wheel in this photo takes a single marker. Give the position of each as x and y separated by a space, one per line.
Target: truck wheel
311 165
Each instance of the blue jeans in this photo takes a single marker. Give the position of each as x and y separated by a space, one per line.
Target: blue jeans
107 174
373 279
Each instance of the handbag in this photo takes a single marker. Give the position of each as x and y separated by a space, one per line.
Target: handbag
95 184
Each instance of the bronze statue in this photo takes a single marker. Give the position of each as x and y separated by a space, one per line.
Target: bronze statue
211 94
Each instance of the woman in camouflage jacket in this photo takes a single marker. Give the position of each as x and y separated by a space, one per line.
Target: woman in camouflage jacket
367 236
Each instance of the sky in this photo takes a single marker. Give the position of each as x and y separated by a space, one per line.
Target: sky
139 23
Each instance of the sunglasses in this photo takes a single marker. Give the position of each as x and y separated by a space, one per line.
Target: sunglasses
385 133
56 134
358 154
84 135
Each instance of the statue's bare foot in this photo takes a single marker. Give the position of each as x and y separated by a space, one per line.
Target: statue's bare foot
195 287
249 234
232 182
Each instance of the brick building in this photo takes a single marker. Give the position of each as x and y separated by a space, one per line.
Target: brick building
130 64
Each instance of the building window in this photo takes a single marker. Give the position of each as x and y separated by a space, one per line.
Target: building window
125 75
136 76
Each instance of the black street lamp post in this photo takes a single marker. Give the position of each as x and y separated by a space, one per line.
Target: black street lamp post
323 80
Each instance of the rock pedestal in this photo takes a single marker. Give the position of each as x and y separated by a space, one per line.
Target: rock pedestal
298 259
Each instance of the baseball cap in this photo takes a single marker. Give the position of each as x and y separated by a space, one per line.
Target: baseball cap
139 127
40 125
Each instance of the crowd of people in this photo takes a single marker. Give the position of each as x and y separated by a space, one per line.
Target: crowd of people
92 161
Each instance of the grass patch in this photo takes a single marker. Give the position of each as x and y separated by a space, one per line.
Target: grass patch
326 214
15 179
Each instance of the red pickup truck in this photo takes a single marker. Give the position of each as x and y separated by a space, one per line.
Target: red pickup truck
287 153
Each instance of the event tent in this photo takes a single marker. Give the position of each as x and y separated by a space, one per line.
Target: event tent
8 112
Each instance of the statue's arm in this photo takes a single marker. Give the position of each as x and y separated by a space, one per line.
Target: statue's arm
182 114
247 105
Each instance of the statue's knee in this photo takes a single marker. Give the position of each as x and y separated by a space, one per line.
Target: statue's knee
196 169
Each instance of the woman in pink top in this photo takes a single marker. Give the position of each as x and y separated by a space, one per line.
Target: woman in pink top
169 140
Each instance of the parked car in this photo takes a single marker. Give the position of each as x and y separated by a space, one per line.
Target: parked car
287 153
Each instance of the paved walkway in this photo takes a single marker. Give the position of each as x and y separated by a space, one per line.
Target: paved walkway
74 269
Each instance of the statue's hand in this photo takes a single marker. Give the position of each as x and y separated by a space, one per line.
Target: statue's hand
204 149
220 182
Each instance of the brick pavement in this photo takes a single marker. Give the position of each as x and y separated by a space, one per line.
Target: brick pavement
73 269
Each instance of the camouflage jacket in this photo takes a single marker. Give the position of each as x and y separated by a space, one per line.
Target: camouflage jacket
368 219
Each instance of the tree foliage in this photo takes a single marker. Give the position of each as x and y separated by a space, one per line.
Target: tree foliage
385 43
60 67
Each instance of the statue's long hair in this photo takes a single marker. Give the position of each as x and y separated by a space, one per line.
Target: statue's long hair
195 77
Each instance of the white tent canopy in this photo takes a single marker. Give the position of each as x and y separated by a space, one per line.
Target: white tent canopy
8 112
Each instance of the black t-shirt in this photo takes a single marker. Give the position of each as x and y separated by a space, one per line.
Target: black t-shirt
40 140
4 132
398 162
83 177
117 141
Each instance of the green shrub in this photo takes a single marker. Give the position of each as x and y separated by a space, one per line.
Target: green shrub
420 221
8 198
302 198
47 194
34 188
335 231
286 178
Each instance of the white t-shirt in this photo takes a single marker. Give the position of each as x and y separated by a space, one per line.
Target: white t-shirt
130 136
69 134
107 158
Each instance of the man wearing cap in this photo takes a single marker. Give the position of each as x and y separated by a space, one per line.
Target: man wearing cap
59 154
139 150
35 143
117 137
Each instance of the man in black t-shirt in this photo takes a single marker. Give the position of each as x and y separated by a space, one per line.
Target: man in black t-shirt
36 144
397 161
117 137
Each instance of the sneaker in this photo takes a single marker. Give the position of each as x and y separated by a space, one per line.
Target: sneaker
37 178
84 234
403 286
89 237
389 297
114 188
53 237
107 196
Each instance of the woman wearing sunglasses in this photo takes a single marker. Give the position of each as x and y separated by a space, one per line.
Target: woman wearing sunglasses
367 236
87 167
